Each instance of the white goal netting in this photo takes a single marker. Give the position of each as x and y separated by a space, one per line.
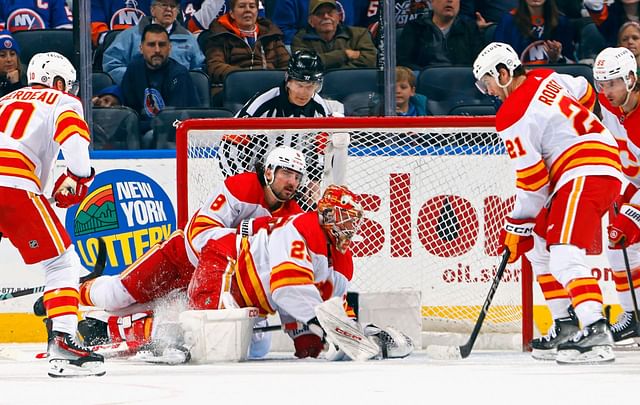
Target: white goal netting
435 193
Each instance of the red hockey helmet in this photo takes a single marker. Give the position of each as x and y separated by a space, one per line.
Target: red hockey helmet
340 215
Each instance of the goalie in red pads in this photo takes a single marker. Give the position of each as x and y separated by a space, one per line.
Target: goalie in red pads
567 176
36 122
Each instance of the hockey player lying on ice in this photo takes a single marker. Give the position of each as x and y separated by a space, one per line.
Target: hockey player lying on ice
289 266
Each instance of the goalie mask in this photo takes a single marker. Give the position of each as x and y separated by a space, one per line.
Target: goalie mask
614 63
284 157
340 216
44 68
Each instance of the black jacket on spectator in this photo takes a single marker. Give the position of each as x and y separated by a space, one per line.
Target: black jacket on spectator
172 81
423 44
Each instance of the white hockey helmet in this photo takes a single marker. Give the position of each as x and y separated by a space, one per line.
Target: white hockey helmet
45 67
287 157
614 63
491 56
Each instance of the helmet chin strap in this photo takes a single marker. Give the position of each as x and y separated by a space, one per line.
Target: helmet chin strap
269 183
504 86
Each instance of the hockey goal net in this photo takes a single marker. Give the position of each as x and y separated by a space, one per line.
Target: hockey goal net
435 192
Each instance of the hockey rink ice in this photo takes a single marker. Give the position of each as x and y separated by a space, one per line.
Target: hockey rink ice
485 377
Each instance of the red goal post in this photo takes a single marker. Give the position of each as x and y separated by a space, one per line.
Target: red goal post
435 192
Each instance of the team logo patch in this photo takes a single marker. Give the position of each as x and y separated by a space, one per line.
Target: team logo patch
25 19
128 210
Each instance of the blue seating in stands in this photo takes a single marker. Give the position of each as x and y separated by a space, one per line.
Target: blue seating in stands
340 83
100 80
573 69
164 130
203 88
37 41
241 85
449 86
473 109
115 128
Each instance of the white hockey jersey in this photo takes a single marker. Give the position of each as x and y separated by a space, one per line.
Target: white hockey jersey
291 270
238 197
552 138
626 130
35 123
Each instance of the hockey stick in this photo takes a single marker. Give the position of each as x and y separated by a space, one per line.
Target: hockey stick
97 272
627 268
462 352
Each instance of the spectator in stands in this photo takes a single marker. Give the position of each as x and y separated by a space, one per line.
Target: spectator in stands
487 12
34 15
199 14
292 15
110 96
441 37
408 102
154 81
406 10
110 15
610 17
184 47
537 32
339 46
240 40
13 75
629 37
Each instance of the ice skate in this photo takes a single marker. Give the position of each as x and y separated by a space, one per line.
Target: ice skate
546 347
625 328
67 358
590 345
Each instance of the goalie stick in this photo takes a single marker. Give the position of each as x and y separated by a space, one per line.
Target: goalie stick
462 352
97 272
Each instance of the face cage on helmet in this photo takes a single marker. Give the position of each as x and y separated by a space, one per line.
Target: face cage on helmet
335 222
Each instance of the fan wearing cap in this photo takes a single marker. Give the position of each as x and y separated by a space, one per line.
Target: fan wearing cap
616 79
338 45
567 176
13 75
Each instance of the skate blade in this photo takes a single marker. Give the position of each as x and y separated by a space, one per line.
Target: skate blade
597 355
544 355
63 368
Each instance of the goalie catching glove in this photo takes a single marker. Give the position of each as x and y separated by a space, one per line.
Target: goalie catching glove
517 236
625 228
71 189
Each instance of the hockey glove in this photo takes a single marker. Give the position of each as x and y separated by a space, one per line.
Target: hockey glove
249 227
71 189
517 236
625 229
308 339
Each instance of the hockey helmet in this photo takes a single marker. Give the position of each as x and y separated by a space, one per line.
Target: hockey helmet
305 66
489 58
614 63
287 157
45 67
340 215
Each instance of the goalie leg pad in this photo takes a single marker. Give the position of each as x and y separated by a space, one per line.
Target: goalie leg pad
218 335
344 332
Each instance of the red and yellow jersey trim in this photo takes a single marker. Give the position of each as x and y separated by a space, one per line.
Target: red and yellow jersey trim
588 100
289 274
532 178
249 281
17 164
69 123
620 278
590 153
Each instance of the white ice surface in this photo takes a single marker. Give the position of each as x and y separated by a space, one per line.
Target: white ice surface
485 377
